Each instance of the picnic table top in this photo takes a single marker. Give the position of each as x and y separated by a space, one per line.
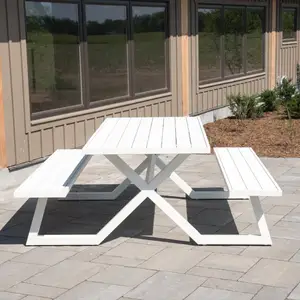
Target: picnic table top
156 135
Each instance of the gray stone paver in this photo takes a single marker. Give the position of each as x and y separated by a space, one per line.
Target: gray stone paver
37 290
120 275
274 273
213 294
166 285
149 257
164 260
295 294
271 293
66 274
95 291
228 262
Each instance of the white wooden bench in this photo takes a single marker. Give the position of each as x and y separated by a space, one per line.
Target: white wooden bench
53 179
245 174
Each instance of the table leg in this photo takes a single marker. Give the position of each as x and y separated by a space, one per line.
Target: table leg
205 195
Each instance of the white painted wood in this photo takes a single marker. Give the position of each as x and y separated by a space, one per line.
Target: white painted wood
142 135
156 133
169 134
55 177
129 135
152 136
116 134
100 136
244 172
151 167
197 133
182 133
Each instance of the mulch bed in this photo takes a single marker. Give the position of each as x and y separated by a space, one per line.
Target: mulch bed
269 136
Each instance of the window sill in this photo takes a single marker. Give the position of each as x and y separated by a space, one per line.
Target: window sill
34 123
212 84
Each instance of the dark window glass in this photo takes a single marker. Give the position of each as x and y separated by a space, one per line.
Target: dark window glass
53 55
209 32
255 19
233 41
107 51
149 25
289 17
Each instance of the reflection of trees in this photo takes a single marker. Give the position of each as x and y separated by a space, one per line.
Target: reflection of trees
288 21
145 23
233 29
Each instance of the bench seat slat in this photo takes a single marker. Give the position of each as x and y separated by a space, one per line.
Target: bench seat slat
244 172
52 178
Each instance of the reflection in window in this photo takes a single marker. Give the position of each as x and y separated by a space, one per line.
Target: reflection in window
255 18
233 40
107 51
149 24
209 30
53 55
289 21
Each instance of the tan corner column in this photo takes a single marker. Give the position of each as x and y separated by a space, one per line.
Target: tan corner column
3 158
272 45
184 37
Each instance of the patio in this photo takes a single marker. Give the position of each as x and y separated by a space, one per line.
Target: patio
149 257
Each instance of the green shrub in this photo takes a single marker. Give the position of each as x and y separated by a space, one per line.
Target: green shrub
285 90
245 107
269 100
292 107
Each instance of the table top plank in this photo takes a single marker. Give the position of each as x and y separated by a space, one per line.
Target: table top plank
156 132
141 139
129 135
195 126
182 133
169 134
116 134
98 139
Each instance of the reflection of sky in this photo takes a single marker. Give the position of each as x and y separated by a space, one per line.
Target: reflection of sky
94 12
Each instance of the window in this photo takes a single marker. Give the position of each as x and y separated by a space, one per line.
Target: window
53 55
84 54
231 41
289 23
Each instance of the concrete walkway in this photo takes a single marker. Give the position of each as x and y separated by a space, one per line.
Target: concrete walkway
149 257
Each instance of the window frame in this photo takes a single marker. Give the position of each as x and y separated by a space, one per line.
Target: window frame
222 5
289 7
83 61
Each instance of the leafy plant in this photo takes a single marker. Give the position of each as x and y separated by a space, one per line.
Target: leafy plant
292 107
269 100
286 92
245 107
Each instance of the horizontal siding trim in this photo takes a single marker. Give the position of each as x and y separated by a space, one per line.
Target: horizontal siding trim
85 114
118 111
228 81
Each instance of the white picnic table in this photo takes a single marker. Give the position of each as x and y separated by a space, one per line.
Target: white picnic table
246 177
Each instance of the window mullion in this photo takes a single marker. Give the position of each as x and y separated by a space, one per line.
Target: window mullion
130 49
222 43
245 41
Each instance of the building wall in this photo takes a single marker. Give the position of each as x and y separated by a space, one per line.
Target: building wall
288 53
28 140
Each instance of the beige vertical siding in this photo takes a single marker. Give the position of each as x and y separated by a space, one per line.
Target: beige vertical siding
288 59
213 96
30 140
